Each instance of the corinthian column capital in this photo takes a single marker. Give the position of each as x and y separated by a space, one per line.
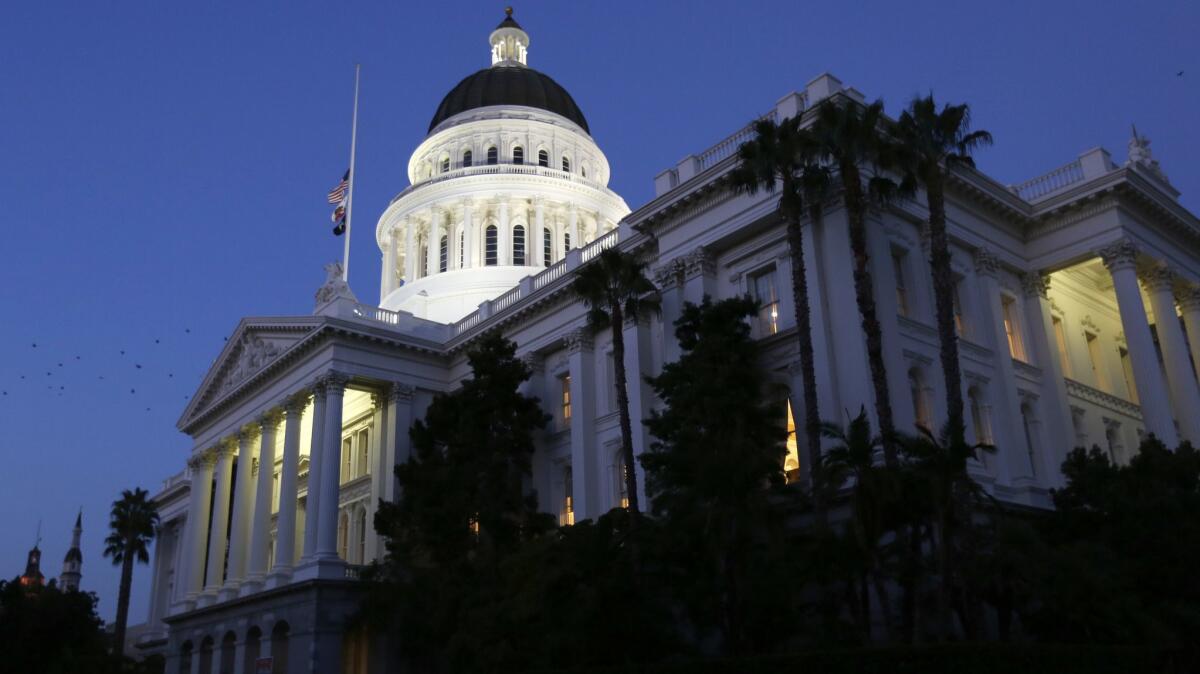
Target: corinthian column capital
1120 254
1157 277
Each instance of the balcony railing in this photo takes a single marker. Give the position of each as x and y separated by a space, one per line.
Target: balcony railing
730 145
1059 178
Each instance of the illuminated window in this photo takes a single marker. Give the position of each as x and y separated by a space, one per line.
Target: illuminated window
347 456
489 246
443 253
543 158
473 525
466 159
1096 359
763 288
1012 328
565 382
1127 369
364 453
518 251
916 387
901 286
568 511
491 156
566 164
622 477
518 155
791 463
960 324
547 247
1060 338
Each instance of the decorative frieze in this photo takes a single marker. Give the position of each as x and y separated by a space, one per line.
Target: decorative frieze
1120 254
401 392
578 340
986 263
699 262
670 275
1035 284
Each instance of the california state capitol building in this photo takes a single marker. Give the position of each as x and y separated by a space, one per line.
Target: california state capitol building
1077 292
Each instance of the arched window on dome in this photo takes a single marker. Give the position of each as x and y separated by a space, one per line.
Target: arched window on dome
518 245
547 246
491 156
566 164
443 253
566 243
466 158
489 246
446 164
518 155
543 158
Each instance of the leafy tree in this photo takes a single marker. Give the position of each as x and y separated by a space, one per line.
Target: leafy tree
465 507
132 524
45 630
931 143
782 155
614 287
847 135
718 446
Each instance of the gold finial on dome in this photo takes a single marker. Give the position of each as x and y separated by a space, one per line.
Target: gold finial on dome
508 12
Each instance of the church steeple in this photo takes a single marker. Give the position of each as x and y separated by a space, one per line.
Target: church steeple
33 578
510 43
72 571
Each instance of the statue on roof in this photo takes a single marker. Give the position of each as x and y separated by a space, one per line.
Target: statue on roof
1139 154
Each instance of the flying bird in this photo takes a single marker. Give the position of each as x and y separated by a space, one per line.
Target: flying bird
188 330
35 345
156 341
1179 74
122 353
138 366
60 364
132 391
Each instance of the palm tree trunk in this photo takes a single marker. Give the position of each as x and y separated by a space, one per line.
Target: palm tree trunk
630 476
943 292
123 603
864 293
808 377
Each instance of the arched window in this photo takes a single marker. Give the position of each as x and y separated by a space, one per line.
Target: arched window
491 156
518 245
466 158
445 164
443 253
185 658
518 155
489 246
566 243
543 158
252 650
279 648
547 246
228 651
566 164
583 171
206 654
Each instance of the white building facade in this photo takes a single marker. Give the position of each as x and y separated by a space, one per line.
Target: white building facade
1078 312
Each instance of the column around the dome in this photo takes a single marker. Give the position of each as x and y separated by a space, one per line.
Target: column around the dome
539 208
504 235
410 260
469 260
573 224
431 243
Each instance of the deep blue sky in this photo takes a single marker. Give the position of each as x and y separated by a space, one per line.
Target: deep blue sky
163 168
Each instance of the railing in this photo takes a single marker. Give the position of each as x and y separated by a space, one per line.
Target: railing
467 322
507 299
730 145
552 273
594 248
496 169
1105 400
177 479
376 314
1061 177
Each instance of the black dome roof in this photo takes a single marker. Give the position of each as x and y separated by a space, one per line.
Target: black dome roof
509 85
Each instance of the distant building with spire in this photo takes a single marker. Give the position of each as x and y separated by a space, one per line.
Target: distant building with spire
72 571
33 578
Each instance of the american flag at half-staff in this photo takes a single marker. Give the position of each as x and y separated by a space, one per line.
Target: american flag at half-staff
338 194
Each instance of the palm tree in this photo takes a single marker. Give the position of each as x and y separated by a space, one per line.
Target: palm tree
133 523
931 142
615 289
848 136
781 155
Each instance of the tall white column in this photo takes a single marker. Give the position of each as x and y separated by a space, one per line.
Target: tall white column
1121 259
285 523
432 247
387 279
584 467
219 530
669 279
504 235
243 512
453 242
641 396
397 446
539 224
1061 431
573 227
260 530
315 449
1159 282
410 251
470 256
331 453
1189 305
199 507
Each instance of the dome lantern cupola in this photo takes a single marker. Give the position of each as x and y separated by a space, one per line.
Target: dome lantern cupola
510 44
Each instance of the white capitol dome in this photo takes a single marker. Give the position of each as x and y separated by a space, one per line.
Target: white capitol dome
506 182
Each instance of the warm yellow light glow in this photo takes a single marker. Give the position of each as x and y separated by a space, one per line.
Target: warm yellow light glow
791 463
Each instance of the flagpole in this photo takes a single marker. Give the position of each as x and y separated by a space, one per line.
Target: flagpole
350 194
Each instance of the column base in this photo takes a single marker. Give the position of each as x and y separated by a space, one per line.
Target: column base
229 591
251 585
321 568
279 577
206 598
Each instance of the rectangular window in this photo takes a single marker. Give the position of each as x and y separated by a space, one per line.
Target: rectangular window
568 513
364 453
766 294
347 453
960 324
1130 383
1060 338
1096 358
565 381
901 286
982 432
1012 328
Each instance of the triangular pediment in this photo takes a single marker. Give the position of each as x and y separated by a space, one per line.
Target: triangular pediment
253 346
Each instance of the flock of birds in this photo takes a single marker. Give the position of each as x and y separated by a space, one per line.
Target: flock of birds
59 372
